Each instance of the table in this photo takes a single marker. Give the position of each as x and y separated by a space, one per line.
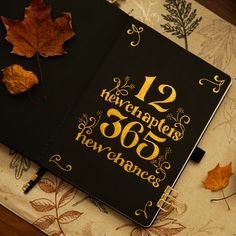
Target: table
10 224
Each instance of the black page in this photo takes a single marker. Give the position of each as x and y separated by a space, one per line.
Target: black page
100 52
25 126
97 121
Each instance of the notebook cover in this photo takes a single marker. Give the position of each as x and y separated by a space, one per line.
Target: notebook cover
125 109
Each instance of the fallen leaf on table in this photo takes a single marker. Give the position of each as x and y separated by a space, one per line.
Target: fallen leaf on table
218 178
18 80
37 33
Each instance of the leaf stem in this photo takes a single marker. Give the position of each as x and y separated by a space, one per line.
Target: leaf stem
57 215
224 198
220 199
41 75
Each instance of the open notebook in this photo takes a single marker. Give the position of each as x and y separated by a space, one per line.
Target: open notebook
125 108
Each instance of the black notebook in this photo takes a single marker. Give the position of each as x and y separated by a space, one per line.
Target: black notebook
125 108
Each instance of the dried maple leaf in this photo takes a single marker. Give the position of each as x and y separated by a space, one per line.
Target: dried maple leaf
37 32
18 80
218 178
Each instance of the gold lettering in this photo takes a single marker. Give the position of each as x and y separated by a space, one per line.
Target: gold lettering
156 183
153 123
146 86
128 166
89 142
177 136
112 98
119 159
165 129
120 102
144 175
111 156
151 178
129 107
136 110
146 118
83 137
161 123
105 93
172 130
137 170
99 148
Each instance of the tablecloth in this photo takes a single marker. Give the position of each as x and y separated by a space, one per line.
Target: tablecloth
57 208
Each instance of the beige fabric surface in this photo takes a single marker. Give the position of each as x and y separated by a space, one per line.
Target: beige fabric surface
59 209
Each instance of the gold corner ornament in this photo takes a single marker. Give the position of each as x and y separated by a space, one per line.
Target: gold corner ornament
135 30
122 87
144 210
216 82
88 123
56 159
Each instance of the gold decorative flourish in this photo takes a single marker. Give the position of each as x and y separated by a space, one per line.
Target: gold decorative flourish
56 159
180 120
88 123
136 30
144 211
216 81
161 164
122 89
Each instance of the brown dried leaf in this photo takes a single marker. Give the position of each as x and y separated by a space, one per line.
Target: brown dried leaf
37 32
69 216
218 178
18 80
44 222
47 185
42 205
67 197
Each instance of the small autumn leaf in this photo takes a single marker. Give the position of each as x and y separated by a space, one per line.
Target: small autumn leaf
37 33
218 178
18 80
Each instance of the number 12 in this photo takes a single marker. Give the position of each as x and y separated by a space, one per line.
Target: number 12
156 104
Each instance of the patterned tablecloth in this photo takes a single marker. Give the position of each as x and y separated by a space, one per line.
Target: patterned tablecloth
59 209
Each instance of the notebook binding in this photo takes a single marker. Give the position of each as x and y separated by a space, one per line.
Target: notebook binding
168 198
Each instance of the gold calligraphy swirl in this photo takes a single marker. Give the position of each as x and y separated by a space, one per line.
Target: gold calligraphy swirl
216 81
135 30
122 89
56 159
162 164
144 211
180 121
88 123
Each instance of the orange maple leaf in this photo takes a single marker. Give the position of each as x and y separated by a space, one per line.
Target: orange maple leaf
37 32
218 178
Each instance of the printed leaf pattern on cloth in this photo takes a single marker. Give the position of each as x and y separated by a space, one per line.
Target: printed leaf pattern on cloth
182 20
164 225
147 12
220 44
69 217
67 197
44 222
43 205
19 163
62 194
229 119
